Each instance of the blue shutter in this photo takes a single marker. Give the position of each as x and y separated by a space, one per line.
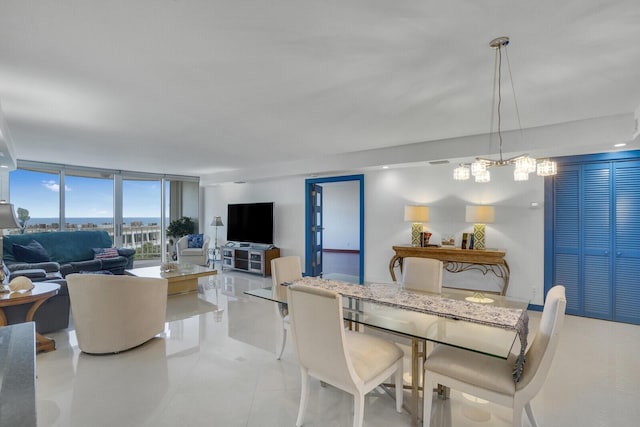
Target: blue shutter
566 261
596 240
627 237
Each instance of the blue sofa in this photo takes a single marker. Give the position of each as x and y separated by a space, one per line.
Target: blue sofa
72 251
69 252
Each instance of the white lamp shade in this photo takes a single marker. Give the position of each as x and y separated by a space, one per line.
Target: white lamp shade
480 214
217 222
416 213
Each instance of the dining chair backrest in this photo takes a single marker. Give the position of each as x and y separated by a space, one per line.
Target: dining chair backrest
540 354
318 335
422 274
284 269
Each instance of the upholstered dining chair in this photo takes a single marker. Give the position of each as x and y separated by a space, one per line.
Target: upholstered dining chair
422 274
351 361
193 249
284 269
491 378
114 313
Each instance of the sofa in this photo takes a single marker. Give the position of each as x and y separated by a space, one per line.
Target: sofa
67 252
73 251
52 315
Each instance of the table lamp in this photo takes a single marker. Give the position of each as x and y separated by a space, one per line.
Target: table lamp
479 216
7 220
416 215
217 222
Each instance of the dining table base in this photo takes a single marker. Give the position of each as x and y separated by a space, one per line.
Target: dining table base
418 354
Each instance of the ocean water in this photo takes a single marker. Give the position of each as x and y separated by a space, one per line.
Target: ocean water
95 220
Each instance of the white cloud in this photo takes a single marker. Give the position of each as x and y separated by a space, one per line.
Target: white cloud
54 186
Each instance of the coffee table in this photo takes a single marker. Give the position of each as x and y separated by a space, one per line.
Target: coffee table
36 296
182 280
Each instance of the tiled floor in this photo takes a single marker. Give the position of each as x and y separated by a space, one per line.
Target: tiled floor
215 365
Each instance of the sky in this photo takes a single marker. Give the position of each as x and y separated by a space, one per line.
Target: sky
85 197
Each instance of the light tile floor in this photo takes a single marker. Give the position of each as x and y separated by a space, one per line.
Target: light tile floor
215 365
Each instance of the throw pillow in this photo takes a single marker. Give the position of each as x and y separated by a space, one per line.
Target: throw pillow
195 240
101 253
33 252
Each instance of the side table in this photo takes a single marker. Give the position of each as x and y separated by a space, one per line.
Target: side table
36 296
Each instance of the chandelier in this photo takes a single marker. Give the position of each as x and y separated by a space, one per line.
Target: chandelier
523 164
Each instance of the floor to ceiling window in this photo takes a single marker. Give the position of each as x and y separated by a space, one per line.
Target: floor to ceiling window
88 200
134 208
142 211
35 196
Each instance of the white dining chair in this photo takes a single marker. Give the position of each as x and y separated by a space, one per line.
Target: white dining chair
283 269
351 361
491 378
422 274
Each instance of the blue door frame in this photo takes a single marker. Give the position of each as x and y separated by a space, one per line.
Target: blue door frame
307 204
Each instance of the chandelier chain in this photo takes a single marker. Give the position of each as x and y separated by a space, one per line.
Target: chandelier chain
513 91
499 53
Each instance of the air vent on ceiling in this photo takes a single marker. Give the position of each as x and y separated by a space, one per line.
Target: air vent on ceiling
439 162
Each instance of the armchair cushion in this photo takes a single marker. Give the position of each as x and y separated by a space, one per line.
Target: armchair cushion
32 252
49 267
195 240
35 274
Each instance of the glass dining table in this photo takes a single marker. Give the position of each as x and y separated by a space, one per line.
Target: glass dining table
439 318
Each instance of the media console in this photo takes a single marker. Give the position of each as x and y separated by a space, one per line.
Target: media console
251 259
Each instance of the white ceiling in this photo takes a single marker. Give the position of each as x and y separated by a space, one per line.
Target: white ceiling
222 88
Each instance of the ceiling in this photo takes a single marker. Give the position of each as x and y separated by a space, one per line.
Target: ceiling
222 88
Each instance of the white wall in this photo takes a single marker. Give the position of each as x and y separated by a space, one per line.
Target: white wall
288 195
518 228
341 215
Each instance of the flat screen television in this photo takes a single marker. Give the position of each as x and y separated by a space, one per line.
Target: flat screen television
250 222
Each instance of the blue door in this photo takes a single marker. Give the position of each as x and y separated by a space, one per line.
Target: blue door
316 230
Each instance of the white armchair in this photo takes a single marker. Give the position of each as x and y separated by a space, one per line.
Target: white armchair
115 313
187 255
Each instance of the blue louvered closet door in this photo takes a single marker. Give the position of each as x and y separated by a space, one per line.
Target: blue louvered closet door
626 285
592 222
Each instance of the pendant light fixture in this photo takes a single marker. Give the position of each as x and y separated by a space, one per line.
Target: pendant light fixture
523 164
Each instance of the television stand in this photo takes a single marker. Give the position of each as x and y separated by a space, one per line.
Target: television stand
249 259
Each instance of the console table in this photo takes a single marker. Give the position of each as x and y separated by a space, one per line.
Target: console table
457 260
